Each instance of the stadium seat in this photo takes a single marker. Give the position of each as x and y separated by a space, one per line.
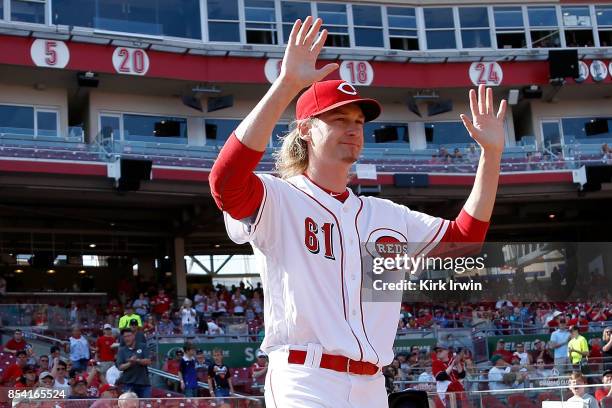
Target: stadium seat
606 402
515 399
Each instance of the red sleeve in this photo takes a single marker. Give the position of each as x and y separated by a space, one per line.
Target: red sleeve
234 186
465 228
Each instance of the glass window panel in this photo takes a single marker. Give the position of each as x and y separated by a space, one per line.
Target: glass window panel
401 17
604 15
110 127
403 33
174 18
47 123
439 18
579 38
17 120
369 37
227 32
337 40
545 39
223 9
476 38
550 133
440 40
160 129
292 10
387 132
280 130
508 17
542 16
576 16
400 43
367 16
473 17
447 133
590 130
1 9
332 13
259 10
27 11
605 38
261 37
218 130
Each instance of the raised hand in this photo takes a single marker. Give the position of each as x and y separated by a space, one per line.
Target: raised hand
486 127
303 48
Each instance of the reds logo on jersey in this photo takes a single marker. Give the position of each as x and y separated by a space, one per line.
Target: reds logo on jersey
347 88
386 243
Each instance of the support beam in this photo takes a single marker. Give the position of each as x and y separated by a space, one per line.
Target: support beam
179 268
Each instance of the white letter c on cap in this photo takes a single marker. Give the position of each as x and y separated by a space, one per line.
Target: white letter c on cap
343 88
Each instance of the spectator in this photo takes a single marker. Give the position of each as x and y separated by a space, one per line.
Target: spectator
606 391
94 378
540 352
501 351
128 400
219 377
43 363
558 342
447 371
541 372
60 374
577 349
187 373
28 380
78 347
149 327
108 391
54 353
523 356
260 368
133 362
161 303
188 318
106 348
165 327
30 353
576 385
239 301
472 154
138 333
173 366
79 388
141 306
46 380
112 375
500 375
457 155
14 371
256 303
201 362
607 348
128 316
213 328
15 344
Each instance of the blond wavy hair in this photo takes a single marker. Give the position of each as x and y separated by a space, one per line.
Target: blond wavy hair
292 158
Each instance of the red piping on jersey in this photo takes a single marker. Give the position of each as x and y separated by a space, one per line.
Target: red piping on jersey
341 263
433 239
263 205
361 283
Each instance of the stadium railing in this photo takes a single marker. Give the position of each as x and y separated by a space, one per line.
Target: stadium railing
199 402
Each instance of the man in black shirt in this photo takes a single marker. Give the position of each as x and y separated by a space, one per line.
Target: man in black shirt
219 377
133 360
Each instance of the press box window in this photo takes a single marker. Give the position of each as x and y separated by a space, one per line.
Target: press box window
223 21
474 23
291 11
260 22
578 26
544 27
28 11
402 28
144 128
336 23
604 23
367 21
439 28
509 27
376 132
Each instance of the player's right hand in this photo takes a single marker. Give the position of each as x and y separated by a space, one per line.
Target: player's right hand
303 47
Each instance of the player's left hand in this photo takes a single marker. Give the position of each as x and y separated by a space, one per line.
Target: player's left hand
486 126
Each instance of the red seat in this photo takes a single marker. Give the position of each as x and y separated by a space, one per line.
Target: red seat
516 399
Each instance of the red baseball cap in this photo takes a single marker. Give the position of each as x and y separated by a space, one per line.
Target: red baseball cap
324 96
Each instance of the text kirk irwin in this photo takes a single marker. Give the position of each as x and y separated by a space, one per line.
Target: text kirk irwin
428 285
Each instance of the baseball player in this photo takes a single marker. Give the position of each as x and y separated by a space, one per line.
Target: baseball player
326 345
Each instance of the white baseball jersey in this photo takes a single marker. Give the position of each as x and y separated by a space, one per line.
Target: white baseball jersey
309 244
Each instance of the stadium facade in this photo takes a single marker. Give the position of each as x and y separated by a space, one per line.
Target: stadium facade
92 92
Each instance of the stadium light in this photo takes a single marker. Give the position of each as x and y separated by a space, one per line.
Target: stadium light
92 245
82 272
50 271
18 270
552 216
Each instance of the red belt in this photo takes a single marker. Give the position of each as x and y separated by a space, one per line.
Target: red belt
336 363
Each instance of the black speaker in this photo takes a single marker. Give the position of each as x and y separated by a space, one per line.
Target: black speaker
411 180
596 175
408 399
132 173
563 64
439 107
